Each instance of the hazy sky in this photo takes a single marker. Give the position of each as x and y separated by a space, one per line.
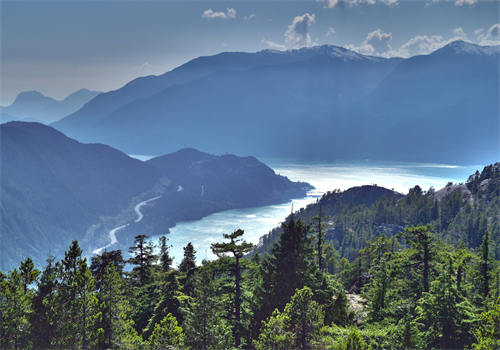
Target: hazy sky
57 47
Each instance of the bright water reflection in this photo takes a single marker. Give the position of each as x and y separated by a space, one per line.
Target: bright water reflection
259 221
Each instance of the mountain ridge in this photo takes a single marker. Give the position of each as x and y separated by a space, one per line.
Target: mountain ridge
322 102
54 189
32 105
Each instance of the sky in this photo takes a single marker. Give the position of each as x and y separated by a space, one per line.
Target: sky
58 47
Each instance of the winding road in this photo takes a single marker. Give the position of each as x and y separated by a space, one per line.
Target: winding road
112 233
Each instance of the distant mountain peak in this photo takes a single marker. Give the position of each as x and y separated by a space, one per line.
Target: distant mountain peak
35 106
324 50
462 47
29 96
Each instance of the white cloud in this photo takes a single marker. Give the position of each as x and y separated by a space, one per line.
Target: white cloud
249 17
421 44
465 2
491 36
330 32
297 34
329 3
389 2
376 42
229 14
351 3
379 43
272 45
424 44
478 31
459 33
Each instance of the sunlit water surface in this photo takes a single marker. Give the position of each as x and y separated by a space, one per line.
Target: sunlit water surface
324 177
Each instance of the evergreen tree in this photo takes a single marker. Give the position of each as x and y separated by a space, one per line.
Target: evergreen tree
188 263
165 258
421 242
205 328
488 333
353 341
142 258
167 285
339 313
45 316
28 273
319 239
485 268
15 307
295 327
100 262
67 327
275 334
290 266
305 317
237 247
117 331
444 319
89 314
167 334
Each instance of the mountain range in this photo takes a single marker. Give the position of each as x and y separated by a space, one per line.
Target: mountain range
317 103
54 189
34 106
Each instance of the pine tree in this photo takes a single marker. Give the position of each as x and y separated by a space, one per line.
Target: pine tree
28 273
143 258
205 328
188 263
89 314
420 239
237 247
45 316
290 266
165 258
67 303
295 327
100 262
167 334
167 285
485 268
319 241
117 329
15 309
444 319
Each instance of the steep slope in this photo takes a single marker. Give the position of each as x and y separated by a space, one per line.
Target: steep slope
239 104
143 87
228 180
53 188
34 106
446 101
314 103
205 184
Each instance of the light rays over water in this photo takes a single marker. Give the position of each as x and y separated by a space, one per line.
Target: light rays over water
325 177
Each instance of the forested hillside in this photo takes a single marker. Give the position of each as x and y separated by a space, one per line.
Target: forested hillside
460 212
420 287
54 189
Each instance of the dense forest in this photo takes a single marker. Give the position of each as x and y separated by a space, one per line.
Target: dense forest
419 271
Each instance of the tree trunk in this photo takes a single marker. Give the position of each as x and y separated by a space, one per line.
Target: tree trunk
426 265
320 242
237 302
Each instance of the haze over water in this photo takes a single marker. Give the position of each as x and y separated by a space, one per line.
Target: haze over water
324 177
